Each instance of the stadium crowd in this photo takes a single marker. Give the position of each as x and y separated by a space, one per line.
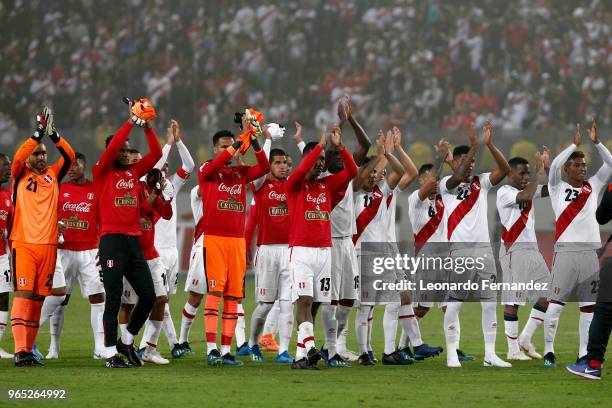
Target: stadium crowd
526 64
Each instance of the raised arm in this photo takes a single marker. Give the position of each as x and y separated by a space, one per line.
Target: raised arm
554 175
345 115
460 172
503 168
109 155
266 148
410 170
63 164
605 171
305 165
431 181
397 170
604 211
155 152
339 181
167 147
298 137
529 192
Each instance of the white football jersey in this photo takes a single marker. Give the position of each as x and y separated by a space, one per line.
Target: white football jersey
472 227
343 215
165 230
581 228
420 213
391 203
375 228
196 204
510 212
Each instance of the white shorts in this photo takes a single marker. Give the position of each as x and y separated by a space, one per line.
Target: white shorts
170 260
71 266
272 273
575 272
475 274
344 270
311 269
196 279
6 276
158 273
523 266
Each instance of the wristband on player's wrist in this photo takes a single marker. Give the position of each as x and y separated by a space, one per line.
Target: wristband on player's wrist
255 144
38 134
54 136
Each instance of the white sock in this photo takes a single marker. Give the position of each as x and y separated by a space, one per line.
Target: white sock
127 338
258 318
551 324
307 330
342 314
271 325
189 313
3 322
451 330
370 325
97 325
123 328
536 318
583 329
50 304
390 326
56 324
330 328
404 339
300 351
146 334
410 325
239 333
285 325
168 327
489 327
511 328
361 328
155 328
210 347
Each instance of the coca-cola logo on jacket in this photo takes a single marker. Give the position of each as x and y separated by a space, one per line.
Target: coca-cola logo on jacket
77 207
233 190
273 195
320 199
125 185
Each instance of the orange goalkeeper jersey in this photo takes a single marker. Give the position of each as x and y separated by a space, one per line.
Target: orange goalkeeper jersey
35 196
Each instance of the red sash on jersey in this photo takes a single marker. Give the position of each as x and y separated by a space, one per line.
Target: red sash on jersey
368 214
431 227
389 199
199 229
511 235
465 207
570 212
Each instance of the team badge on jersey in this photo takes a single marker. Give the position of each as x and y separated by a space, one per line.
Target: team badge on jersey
212 283
90 196
22 281
109 263
48 179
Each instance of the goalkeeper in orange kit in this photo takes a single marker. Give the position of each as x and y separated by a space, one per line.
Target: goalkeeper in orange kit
34 231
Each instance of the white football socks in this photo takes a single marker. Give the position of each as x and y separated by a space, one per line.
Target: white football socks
168 327
3 322
258 318
330 328
239 332
511 328
551 324
50 304
410 325
370 325
390 326
189 313
272 323
97 325
584 323
452 331
285 325
361 328
536 318
489 327
342 315
56 324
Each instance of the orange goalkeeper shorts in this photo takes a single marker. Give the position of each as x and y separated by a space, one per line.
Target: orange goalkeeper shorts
33 267
225 265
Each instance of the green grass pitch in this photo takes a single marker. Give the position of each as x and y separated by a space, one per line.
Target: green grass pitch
189 382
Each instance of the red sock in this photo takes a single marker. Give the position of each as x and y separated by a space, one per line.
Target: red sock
229 319
19 316
595 364
33 322
211 317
